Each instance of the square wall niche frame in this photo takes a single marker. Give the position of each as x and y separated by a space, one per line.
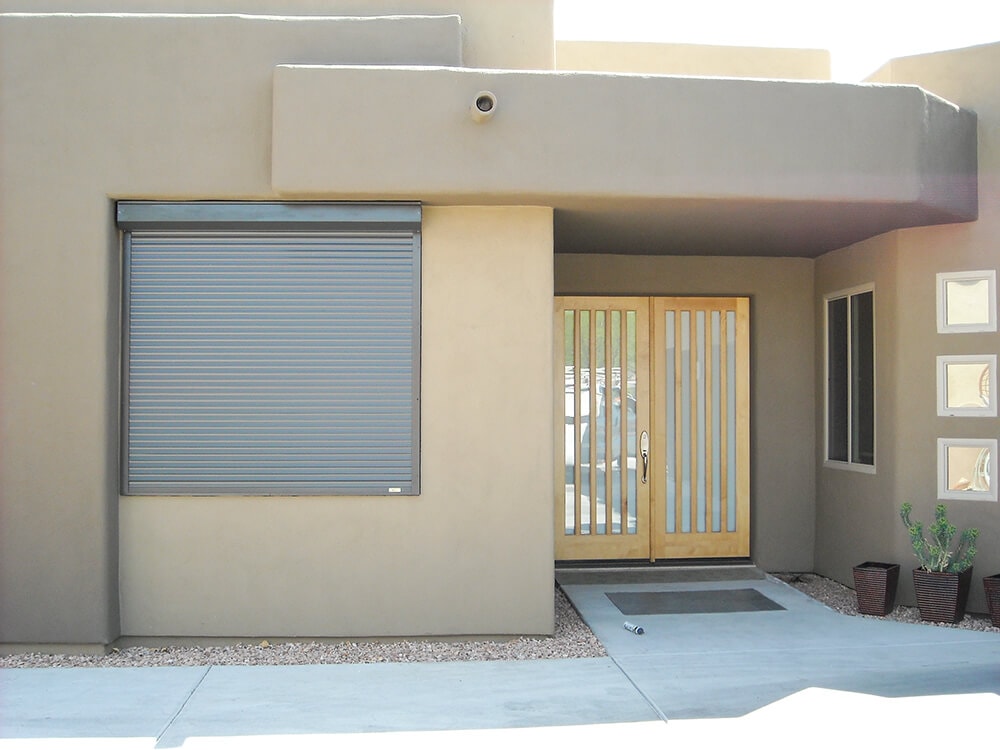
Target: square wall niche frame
966 385
965 469
967 301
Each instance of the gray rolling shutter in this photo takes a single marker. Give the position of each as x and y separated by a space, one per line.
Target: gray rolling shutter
274 360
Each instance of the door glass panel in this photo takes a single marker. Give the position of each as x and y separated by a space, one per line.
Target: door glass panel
670 467
571 437
602 425
614 336
628 386
685 438
730 425
586 439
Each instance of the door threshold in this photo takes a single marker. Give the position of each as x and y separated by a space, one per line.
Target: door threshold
702 562
603 574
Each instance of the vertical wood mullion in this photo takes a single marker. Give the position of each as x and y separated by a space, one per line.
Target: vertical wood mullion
693 406
724 420
709 456
678 428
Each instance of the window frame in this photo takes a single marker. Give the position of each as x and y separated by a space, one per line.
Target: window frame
849 464
261 218
989 365
983 444
987 325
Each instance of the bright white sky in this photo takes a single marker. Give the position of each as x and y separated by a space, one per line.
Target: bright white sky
860 34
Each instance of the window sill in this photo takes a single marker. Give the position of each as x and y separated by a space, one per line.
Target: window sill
847 466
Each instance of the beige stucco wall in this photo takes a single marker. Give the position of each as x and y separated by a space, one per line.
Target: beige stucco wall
782 473
513 34
579 140
856 512
471 554
693 60
856 515
97 108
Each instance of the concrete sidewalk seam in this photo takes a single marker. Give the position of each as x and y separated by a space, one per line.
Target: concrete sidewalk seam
187 699
649 701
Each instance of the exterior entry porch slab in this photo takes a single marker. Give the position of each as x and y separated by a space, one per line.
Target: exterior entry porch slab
716 665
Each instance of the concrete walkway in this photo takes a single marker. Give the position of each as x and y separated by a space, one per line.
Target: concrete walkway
799 674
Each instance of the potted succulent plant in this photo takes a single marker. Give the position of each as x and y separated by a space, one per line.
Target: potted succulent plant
945 573
875 586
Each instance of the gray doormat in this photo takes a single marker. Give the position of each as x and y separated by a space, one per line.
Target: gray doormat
691 602
606 576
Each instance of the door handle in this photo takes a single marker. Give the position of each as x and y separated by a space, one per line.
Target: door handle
644 452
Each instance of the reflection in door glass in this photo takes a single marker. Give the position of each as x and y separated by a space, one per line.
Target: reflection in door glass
571 438
601 425
586 458
716 428
600 422
615 334
629 388
699 413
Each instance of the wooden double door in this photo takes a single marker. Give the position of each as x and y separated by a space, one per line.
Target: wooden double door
652 428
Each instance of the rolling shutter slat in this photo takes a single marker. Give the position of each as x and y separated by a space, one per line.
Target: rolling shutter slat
272 362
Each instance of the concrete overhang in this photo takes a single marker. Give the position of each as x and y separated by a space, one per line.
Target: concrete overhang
632 163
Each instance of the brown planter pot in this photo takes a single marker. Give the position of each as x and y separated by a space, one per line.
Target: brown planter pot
992 586
941 597
875 585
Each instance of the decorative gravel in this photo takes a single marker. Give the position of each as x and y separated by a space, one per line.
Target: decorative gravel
842 599
572 639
